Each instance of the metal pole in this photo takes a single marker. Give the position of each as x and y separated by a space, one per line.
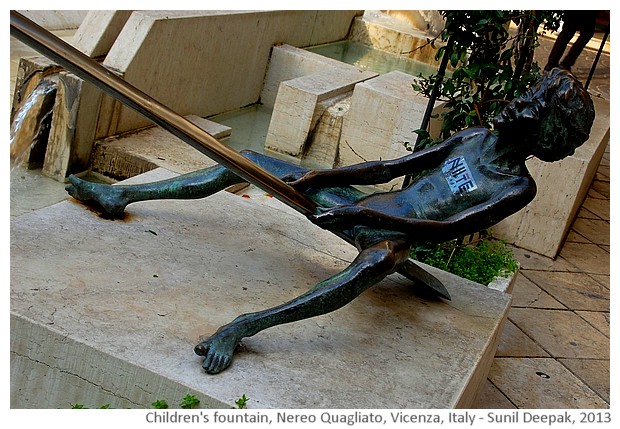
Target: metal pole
86 68
433 97
598 56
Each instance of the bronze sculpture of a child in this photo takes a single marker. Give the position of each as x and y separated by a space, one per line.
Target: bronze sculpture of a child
471 181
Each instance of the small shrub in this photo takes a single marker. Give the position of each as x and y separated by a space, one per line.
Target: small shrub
160 404
242 402
480 262
189 401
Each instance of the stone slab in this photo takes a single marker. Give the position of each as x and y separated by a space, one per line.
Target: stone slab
132 154
562 186
207 62
518 378
383 115
301 102
108 312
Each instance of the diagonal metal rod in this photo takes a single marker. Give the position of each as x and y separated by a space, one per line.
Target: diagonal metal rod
86 68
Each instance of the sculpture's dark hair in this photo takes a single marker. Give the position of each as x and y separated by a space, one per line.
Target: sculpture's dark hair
569 114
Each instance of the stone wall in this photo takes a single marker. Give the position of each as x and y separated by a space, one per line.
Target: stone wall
195 62
56 19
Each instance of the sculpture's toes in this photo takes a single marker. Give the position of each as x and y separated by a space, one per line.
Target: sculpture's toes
72 189
215 361
102 197
201 349
217 364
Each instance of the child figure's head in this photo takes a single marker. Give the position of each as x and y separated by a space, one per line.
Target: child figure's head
557 111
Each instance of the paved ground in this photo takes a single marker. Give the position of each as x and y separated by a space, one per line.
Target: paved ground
555 349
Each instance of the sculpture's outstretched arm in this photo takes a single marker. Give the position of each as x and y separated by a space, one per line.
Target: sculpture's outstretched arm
376 172
467 221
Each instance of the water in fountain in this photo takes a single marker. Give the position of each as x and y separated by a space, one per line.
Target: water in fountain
31 123
368 58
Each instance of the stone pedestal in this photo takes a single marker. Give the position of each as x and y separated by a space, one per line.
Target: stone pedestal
108 312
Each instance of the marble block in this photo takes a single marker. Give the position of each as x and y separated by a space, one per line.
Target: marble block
302 101
108 312
384 113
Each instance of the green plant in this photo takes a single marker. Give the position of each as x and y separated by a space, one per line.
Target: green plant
160 404
490 66
480 261
82 407
189 401
242 402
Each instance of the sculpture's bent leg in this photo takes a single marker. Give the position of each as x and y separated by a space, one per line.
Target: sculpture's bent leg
370 266
112 200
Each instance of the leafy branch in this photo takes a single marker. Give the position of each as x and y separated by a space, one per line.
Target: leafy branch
490 66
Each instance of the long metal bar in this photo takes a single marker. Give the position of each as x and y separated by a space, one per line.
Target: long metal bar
86 68
433 97
597 58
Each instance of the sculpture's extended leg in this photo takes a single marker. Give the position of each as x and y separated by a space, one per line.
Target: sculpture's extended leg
112 200
371 265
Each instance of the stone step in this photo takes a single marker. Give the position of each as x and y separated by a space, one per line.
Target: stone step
136 153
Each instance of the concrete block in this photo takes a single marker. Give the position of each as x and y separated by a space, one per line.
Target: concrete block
99 30
302 101
543 225
207 62
27 112
133 154
72 132
108 312
391 34
288 62
384 113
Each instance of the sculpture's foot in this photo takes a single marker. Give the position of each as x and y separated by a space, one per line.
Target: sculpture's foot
218 351
107 198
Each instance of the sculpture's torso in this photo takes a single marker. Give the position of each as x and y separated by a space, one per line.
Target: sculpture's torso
467 178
